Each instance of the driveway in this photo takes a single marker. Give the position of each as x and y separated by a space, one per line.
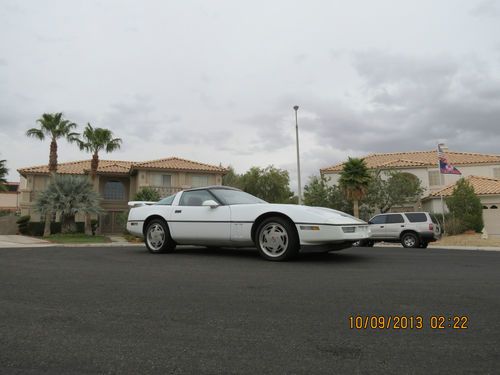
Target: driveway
122 310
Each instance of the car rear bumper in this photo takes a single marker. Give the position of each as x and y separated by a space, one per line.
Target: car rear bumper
429 236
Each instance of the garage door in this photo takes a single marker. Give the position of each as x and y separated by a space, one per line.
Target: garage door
491 218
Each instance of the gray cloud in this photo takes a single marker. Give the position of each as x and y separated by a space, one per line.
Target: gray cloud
486 8
415 103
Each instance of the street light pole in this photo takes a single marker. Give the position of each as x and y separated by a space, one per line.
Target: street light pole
296 108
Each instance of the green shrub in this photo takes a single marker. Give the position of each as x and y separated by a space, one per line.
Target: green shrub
465 206
147 194
22 224
454 226
5 213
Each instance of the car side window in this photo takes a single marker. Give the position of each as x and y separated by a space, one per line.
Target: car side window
417 217
380 219
195 198
394 219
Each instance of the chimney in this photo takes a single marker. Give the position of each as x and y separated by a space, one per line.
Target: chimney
444 148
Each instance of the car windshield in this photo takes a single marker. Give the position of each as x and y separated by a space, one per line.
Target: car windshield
228 196
167 201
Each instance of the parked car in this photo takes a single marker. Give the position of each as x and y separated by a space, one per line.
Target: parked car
412 229
224 216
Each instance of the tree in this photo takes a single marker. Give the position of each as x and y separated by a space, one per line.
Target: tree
54 126
270 184
147 194
320 194
3 172
68 195
464 205
96 140
231 178
354 181
391 189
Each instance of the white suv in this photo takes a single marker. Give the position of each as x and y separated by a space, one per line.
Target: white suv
412 229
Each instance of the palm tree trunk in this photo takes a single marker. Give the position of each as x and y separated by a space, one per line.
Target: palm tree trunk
356 208
46 228
94 164
53 157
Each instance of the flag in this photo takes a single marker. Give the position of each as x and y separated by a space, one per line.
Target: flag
444 166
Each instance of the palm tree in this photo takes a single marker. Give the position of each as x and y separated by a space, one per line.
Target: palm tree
3 173
68 195
94 141
354 181
53 126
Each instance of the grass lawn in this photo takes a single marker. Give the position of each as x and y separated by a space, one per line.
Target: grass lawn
76 238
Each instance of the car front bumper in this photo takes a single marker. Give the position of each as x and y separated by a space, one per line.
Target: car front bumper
323 234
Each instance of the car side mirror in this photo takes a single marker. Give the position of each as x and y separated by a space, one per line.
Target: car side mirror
211 203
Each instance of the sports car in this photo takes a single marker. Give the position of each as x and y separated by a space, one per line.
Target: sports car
224 216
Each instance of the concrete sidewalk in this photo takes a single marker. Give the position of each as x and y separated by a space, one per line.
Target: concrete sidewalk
22 241
18 241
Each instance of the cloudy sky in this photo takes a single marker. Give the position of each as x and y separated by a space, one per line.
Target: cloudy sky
215 81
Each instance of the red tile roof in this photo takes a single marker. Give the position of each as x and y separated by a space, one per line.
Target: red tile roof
125 167
481 185
419 159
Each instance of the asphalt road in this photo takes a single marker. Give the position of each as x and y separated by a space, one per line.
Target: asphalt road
123 310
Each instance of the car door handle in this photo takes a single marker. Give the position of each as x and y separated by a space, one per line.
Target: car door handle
402 226
177 211
381 226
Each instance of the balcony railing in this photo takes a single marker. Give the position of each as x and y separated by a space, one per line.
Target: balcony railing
165 191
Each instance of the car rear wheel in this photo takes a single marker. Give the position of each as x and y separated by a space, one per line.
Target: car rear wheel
157 238
410 240
277 239
423 245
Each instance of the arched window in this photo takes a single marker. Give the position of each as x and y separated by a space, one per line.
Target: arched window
493 207
114 191
485 207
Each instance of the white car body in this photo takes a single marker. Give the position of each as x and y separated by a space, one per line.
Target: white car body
214 223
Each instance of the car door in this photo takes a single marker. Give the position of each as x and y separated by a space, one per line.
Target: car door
394 225
377 226
192 223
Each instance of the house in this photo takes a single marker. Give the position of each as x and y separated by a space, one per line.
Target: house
424 166
9 198
118 182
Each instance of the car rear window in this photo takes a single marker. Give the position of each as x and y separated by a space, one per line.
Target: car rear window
417 217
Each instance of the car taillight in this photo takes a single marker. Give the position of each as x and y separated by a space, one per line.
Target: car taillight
431 226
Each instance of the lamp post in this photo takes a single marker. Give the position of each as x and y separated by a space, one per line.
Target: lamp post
296 108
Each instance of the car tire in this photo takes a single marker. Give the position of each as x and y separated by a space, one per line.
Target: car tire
276 239
423 245
157 237
410 240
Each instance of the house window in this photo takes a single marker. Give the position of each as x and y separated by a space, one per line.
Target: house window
435 178
199 181
496 172
114 191
164 180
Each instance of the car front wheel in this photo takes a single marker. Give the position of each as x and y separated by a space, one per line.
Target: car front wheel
158 238
410 240
277 240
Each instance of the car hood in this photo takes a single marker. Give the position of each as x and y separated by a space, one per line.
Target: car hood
309 214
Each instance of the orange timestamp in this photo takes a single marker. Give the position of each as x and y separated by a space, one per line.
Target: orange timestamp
408 322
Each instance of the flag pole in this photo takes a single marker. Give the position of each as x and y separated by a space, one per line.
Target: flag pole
442 201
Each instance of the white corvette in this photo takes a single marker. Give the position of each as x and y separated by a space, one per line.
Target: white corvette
224 216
